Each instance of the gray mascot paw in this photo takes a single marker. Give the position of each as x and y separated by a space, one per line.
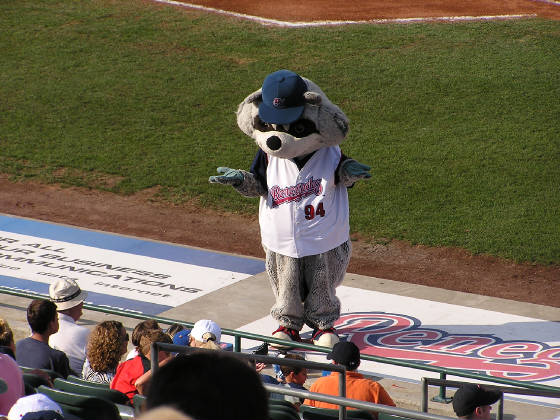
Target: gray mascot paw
230 176
351 171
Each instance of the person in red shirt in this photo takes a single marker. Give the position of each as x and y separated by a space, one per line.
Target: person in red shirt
129 371
358 387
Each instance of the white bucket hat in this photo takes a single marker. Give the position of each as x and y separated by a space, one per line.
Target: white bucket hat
203 327
66 294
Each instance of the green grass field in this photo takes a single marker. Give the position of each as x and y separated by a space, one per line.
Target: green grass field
460 122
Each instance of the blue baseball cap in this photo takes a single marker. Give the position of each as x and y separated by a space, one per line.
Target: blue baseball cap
181 338
282 97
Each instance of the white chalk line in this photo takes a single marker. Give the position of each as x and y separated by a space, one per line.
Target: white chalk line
274 22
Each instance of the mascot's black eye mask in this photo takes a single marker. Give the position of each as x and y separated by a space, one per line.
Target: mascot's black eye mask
300 128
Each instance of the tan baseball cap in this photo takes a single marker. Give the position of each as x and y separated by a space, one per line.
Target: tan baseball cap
66 294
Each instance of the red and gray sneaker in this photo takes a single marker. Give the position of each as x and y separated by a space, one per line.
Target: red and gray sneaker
325 338
284 333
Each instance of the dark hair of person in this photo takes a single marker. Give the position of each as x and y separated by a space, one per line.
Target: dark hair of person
40 313
174 329
286 370
152 336
141 328
6 334
104 346
209 385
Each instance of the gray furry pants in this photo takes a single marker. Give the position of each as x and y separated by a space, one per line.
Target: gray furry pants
305 288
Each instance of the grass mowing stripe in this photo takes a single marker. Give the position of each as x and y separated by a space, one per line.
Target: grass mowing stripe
459 122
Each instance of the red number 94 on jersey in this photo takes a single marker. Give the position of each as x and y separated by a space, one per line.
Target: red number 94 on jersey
311 212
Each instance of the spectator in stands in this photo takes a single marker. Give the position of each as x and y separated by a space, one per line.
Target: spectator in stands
35 407
347 354
128 372
106 345
35 351
265 378
3 390
71 338
7 345
473 401
174 329
259 367
139 330
209 385
206 334
12 380
295 377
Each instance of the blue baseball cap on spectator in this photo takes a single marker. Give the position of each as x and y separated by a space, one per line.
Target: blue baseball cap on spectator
282 97
181 338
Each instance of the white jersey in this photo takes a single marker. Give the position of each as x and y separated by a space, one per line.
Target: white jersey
305 212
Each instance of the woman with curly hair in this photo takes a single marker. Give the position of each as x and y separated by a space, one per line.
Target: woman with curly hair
106 345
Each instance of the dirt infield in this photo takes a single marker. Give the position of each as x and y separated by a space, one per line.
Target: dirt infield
141 215
359 10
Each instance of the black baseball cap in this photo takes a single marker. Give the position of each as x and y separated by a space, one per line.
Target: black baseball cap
470 396
345 353
282 97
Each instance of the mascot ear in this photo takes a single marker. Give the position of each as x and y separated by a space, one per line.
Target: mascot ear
312 98
254 97
341 122
245 112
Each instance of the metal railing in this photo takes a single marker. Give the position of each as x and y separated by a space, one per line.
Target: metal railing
505 389
379 408
339 400
239 335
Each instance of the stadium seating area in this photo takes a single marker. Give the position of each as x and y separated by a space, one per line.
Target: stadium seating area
82 399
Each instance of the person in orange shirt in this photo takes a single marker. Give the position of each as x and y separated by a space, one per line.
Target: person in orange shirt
358 387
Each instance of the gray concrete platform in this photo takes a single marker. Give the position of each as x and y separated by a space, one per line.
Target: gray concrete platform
250 299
